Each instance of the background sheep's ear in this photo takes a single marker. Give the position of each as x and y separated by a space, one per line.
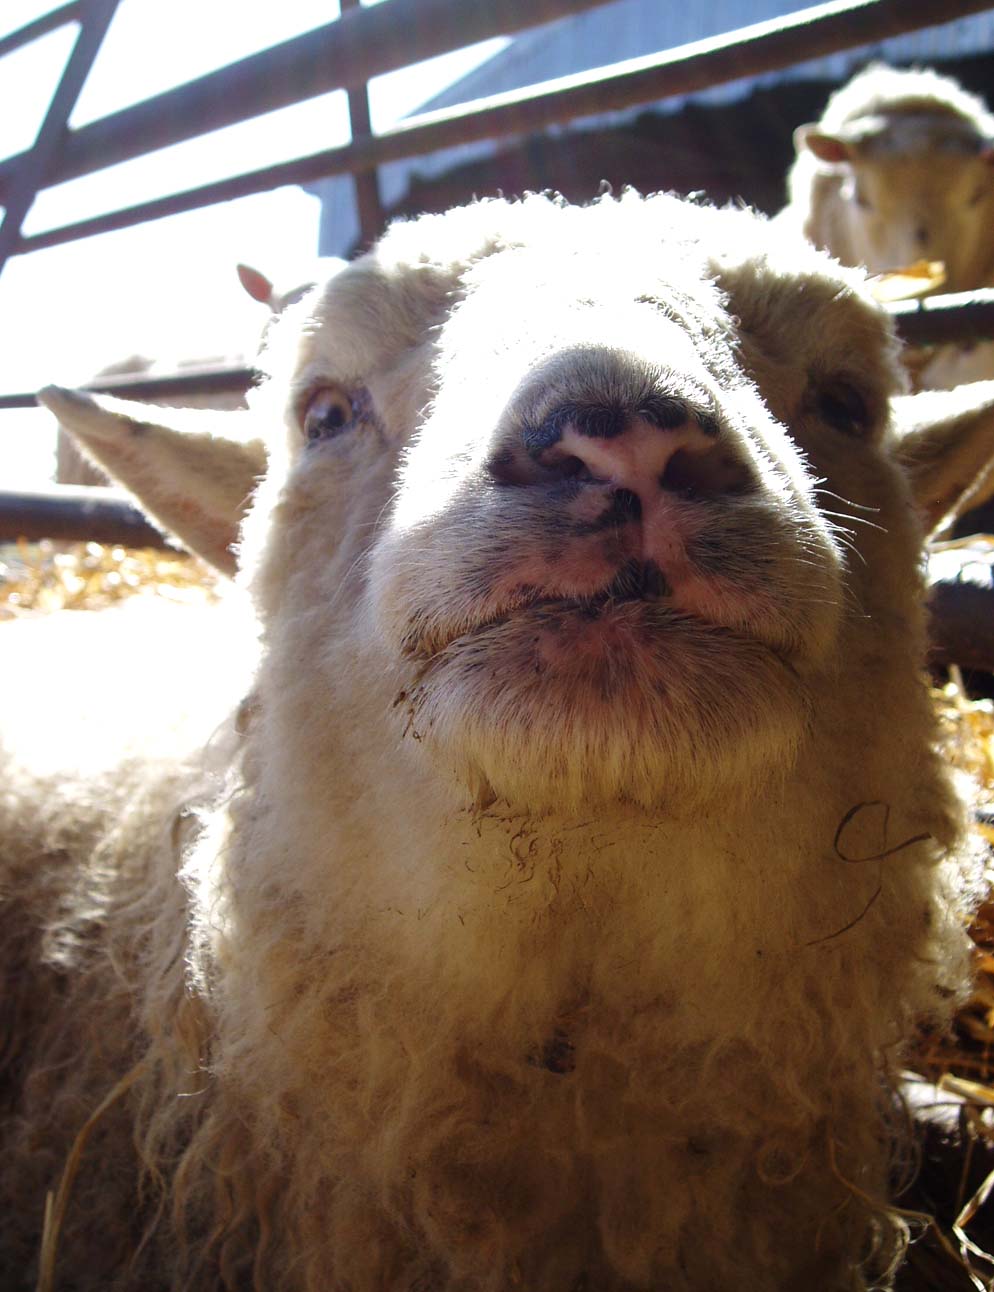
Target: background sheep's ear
258 286
827 148
947 447
192 480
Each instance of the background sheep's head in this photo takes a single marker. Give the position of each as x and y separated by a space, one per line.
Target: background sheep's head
587 502
914 188
901 169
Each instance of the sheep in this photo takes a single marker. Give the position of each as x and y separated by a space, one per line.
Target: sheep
556 902
900 169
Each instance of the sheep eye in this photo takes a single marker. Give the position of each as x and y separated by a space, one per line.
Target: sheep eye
329 411
843 408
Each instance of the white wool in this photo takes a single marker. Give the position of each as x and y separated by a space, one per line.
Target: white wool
533 928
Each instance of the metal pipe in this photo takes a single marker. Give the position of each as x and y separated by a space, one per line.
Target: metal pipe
365 182
39 27
762 47
961 316
226 380
75 512
191 381
95 17
339 55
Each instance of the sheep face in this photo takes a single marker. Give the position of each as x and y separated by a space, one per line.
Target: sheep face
606 562
922 207
912 188
899 170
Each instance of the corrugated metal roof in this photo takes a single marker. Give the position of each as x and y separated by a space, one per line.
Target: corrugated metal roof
630 29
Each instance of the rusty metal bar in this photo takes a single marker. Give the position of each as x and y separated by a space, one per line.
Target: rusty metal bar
961 316
95 17
75 512
365 182
762 47
40 27
339 55
191 381
225 380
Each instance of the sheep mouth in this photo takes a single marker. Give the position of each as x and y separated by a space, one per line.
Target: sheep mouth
637 582
637 611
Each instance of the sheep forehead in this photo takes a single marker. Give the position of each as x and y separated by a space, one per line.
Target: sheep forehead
551 295
880 89
658 248
915 134
900 184
361 320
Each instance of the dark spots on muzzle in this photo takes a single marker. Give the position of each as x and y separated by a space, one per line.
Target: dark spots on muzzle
599 421
668 413
558 1055
605 421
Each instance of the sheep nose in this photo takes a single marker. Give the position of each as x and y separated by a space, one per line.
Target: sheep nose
637 455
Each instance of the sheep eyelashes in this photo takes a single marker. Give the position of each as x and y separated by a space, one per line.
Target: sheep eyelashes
501 937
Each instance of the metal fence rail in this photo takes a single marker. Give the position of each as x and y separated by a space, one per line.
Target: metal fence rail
29 175
937 320
39 27
344 54
76 512
762 47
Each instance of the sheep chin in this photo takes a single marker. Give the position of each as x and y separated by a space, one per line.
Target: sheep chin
558 711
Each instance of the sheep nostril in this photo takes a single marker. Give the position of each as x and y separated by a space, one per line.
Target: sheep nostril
921 235
705 475
567 467
507 467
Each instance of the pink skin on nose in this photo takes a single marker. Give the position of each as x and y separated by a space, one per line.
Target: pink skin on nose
636 460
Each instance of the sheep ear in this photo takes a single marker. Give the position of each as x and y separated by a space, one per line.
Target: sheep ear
827 148
946 447
194 483
258 286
